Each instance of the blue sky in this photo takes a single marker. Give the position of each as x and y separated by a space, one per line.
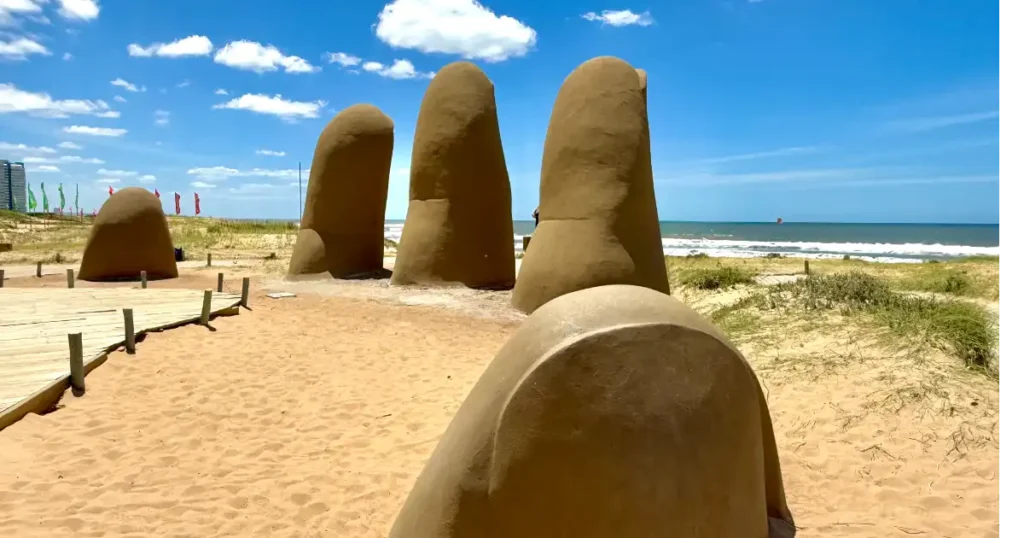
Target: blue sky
838 111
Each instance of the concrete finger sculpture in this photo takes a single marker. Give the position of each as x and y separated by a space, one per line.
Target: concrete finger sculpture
459 226
342 228
129 235
612 412
598 215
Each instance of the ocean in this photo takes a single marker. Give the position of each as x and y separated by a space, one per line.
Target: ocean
887 243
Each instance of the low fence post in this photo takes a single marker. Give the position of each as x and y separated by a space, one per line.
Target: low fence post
204 318
77 365
129 331
245 292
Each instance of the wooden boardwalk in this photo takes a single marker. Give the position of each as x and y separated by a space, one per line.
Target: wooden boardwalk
35 322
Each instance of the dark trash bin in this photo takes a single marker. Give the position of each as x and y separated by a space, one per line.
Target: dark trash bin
179 254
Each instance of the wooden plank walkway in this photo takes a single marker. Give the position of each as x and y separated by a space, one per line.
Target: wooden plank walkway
35 322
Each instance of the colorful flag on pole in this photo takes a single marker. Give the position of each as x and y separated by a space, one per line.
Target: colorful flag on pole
76 199
46 201
197 202
31 199
60 190
177 204
157 193
110 190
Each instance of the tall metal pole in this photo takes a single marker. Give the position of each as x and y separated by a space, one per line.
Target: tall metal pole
300 191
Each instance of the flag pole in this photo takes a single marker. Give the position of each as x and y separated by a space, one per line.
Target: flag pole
300 191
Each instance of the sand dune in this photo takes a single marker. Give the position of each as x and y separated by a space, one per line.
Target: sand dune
313 416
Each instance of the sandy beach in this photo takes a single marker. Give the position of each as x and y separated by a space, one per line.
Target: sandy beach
313 415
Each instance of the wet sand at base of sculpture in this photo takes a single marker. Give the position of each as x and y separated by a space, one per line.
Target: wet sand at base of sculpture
314 415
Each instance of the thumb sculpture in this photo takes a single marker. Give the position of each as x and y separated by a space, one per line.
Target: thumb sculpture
459 226
612 412
342 226
598 215
129 235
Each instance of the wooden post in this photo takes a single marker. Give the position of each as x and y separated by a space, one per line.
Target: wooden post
204 318
129 331
142 277
71 278
1 278
209 259
245 291
220 282
77 366
39 269
807 267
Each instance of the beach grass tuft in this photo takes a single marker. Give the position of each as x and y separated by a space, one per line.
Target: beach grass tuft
710 278
963 329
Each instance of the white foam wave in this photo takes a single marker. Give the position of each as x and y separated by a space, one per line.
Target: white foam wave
727 248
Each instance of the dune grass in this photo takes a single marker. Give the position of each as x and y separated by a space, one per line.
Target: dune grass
968 277
715 278
963 329
701 273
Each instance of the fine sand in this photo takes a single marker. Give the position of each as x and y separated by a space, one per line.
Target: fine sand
313 416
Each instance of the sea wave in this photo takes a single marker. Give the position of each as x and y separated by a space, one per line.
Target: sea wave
727 248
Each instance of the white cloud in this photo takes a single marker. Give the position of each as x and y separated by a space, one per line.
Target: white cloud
196 45
46 168
22 148
340 58
122 83
41 104
77 159
95 131
11 8
400 69
938 122
275 106
220 91
109 114
799 150
68 57
623 17
82 10
69 145
253 56
202 185
161 117
62 159
802 176
217 173
120 99
148 178
112 180
21 49
116 173
183 84
463 27
270 153
248 188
